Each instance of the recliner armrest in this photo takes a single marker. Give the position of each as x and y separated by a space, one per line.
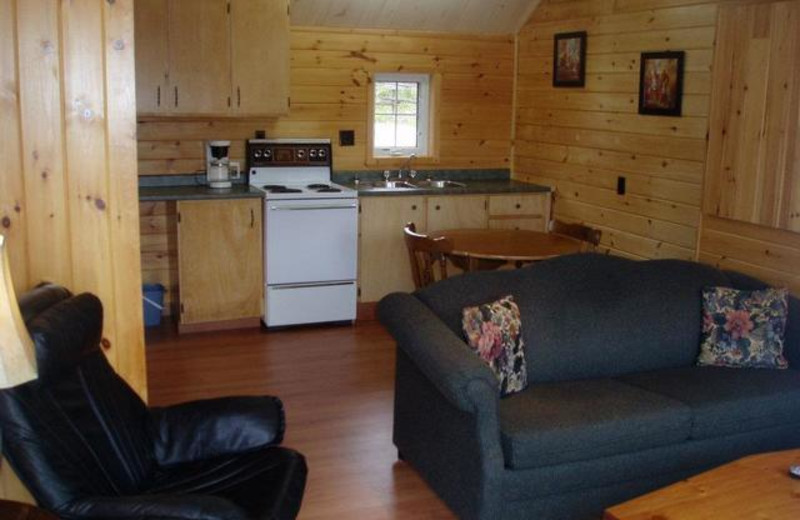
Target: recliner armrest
210 428
442 356
162 507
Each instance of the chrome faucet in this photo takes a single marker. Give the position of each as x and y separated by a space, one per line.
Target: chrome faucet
406 167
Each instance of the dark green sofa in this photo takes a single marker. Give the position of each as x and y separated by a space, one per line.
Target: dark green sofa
615 405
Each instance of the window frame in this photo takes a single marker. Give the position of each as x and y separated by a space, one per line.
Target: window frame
424 146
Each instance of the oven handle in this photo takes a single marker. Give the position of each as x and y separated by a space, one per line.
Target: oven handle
307 285
305 208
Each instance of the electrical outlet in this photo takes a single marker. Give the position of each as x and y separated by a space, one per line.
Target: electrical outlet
347 137
620 185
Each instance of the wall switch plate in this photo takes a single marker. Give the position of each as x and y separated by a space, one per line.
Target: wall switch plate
347 137
620 185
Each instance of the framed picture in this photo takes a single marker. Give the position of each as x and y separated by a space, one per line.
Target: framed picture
569 59
661 83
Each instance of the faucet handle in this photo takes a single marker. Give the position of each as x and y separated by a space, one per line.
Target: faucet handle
386 175
412 173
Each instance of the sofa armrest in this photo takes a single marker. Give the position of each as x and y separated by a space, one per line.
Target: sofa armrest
210 428
443 357
161 507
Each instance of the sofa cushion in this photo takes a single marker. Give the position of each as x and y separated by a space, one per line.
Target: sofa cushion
493 333
590 315
726 401
555 423
743 329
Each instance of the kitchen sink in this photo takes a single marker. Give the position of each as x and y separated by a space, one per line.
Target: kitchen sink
431 183
390 185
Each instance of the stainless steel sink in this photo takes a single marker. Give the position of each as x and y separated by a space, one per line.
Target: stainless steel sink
441 184
390 185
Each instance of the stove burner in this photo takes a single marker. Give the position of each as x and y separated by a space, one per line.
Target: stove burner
328 190
277 188
317 186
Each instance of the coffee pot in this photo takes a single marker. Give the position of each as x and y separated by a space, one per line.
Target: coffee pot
219 165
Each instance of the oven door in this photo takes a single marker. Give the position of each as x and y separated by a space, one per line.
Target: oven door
311 241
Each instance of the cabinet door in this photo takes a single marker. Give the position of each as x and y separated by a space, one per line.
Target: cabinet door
260 57
383 264
527 211
457 212
152 57
199 57
219 260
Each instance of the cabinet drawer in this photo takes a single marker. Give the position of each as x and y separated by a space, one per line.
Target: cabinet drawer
527 224
528 205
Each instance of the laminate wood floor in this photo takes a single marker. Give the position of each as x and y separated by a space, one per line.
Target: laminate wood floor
337 384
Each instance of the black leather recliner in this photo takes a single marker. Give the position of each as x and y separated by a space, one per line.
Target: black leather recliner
86 446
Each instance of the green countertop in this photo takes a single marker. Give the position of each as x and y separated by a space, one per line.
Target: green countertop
238 191
472 187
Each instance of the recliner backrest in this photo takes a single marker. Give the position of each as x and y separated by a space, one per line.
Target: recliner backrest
78 430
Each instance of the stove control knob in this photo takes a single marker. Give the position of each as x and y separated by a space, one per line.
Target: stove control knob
322 153
312 154
257 154
267 154
301 154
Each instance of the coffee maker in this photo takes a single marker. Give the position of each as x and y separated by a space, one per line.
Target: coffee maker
219 165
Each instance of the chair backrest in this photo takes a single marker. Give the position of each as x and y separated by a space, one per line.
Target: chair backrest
425 252
589 236
78 430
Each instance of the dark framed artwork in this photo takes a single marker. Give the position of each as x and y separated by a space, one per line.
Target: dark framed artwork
661 83
569 59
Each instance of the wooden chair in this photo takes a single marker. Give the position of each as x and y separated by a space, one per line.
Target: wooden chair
589 236
424 252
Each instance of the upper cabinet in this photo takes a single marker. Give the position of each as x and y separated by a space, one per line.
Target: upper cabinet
212 57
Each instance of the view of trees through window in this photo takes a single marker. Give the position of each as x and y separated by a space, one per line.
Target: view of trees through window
396 114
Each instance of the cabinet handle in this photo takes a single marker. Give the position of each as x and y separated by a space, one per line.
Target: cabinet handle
176 96
414 207
238 97
519 206
438 208
158 96
252 218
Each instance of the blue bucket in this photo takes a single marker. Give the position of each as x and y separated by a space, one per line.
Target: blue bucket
153 300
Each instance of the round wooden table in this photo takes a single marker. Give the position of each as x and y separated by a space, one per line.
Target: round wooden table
506 245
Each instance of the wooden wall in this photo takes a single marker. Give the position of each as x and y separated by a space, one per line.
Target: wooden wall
751 218
68 150
580 140
330 75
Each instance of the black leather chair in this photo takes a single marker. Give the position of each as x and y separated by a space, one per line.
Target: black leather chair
86 446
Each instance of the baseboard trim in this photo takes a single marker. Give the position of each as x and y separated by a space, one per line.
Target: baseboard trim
208 326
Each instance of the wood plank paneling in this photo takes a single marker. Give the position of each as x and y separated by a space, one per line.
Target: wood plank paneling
68 187
330 75
581 140
753 175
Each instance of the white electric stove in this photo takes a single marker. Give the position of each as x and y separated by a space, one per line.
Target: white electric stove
310 232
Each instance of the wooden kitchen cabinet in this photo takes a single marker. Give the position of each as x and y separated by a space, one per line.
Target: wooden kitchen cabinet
199 57
212 57
457 212
383 259
528 211
220 266
259 57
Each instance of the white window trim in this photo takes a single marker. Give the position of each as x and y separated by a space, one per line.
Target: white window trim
423 115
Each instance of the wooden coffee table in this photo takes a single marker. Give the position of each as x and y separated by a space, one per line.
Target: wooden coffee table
755 487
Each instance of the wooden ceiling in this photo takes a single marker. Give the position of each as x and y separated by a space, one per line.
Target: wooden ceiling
459 16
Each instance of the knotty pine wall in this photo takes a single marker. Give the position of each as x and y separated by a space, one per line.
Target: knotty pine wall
330 77
68 153
580 140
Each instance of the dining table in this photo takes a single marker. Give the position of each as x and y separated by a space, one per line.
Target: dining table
475 249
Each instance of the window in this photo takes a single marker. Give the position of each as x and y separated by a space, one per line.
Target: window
401 118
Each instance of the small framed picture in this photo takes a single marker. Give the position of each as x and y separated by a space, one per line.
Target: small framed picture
661 83
569 59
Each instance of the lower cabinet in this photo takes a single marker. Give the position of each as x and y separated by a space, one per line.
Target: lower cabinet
220 263
383 260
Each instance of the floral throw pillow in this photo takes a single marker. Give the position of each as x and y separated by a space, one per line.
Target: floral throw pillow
744 329
493 331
